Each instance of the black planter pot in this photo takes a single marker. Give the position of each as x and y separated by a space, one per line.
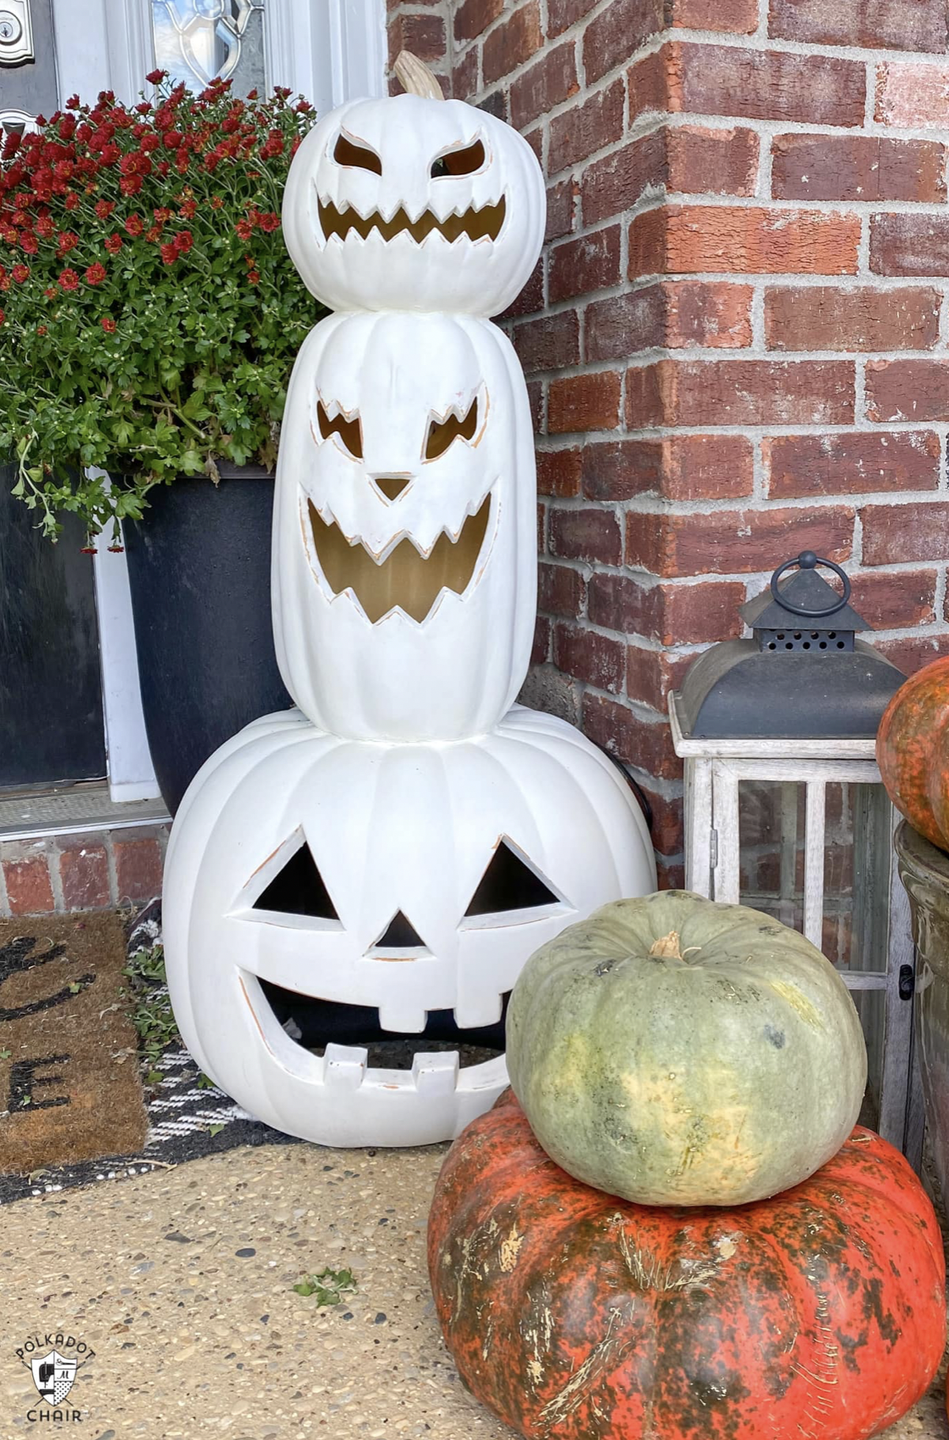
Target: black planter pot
199 572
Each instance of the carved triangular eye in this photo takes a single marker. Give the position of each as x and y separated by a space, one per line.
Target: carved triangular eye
459 162
442 432
349 431
358 156
298 889
509 884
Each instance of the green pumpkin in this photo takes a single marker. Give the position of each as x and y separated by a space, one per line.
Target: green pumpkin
675 1051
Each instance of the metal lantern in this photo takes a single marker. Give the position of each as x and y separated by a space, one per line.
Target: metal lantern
785 812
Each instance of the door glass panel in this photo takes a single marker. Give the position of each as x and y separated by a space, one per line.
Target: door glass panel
197 41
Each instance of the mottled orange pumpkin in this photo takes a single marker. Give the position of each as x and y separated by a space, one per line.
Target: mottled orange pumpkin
913 751
576 1316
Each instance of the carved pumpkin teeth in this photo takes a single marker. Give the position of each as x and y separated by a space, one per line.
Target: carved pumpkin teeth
406 579
476 224
429 1045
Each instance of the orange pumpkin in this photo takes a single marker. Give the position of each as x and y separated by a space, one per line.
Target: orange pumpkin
913 751
576 1316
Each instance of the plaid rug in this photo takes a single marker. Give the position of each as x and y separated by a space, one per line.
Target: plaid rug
188 1117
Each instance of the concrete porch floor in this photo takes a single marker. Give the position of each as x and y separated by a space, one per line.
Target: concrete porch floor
181 1281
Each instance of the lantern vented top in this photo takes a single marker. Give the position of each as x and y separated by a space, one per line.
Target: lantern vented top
803 675
804 608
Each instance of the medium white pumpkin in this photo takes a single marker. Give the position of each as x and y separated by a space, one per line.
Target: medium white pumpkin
404 547
399 835
413 203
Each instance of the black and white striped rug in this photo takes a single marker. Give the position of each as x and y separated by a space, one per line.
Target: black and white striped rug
187 1119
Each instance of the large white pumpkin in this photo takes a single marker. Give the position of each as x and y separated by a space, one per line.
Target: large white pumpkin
410 203
391 849
404 544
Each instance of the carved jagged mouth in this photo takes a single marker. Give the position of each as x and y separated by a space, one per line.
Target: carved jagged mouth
406 580
476 224
314 1023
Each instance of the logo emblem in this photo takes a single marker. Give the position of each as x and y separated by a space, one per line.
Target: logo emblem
53 1376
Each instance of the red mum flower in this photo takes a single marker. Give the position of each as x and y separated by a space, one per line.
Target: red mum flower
41 329
169 253
153 234
51 294
216 202
184 241
96 273
20 273
130 184
69 280
149 143
107 325
114 244
254 277
244 229
67 241
29 244
134 225
187 210
45 227
72 201
155 77
72 103
173 139
268 221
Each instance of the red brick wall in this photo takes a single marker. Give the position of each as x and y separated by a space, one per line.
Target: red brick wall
102 869
736 341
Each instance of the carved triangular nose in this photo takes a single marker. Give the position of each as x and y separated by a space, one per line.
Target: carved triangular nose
391 486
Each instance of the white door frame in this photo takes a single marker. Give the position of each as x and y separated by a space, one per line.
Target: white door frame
327 50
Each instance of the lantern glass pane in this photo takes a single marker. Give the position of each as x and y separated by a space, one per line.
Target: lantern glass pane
772 820
871 1007
197 41
771 830
856 877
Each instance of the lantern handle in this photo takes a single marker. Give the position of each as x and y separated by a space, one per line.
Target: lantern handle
415 77
807 560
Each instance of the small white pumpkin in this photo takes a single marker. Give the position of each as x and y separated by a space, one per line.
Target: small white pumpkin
397 844
404 547
414 203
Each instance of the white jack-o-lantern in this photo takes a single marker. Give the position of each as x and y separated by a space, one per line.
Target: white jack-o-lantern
404 545
400 884
414 203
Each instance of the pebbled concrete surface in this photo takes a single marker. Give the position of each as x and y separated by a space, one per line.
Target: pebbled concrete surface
181 1282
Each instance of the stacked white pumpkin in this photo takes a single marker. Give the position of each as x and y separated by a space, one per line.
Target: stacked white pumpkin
391 853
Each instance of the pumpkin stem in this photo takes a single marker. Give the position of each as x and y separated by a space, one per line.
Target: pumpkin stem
668 946
415 77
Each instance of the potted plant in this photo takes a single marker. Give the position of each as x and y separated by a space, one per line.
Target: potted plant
149 319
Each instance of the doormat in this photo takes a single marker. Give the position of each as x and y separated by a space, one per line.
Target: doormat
70 1088
186 1116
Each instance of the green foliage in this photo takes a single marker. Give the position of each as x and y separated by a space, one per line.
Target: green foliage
150 312
152 1016
329 1286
